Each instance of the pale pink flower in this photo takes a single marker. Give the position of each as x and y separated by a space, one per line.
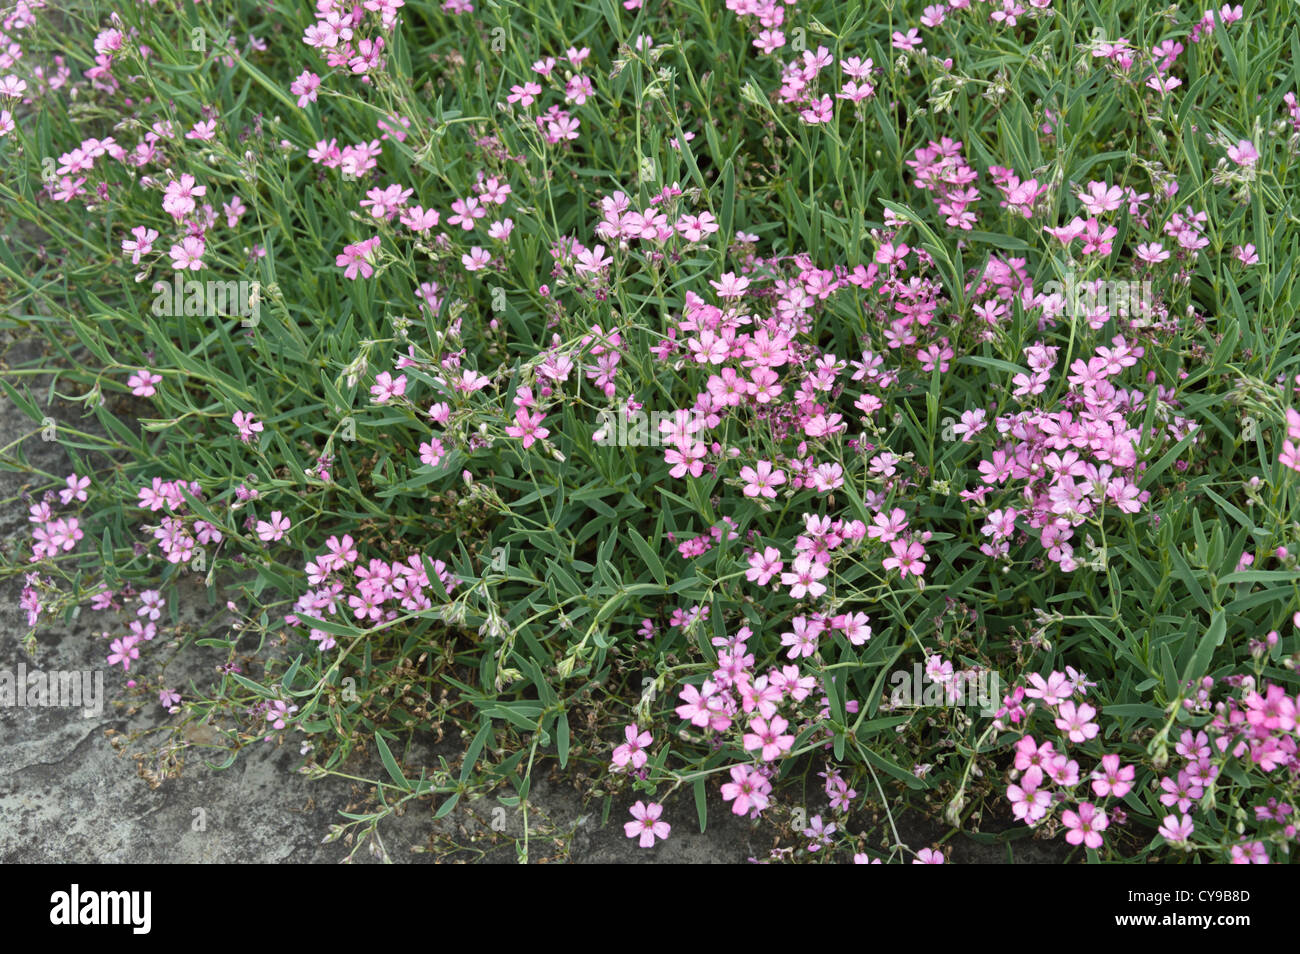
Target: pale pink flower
274 529
647 824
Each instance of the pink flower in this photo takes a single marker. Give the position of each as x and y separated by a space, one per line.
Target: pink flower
247 424
142 383
1029 802
1243 153
1111 779
768 737
803 639
124 650
730 286
748 790
528 426
592 261
465 211
358 259
432 452
1054 690
762 480
1075 721
278 713
763 566
141 245
1152 252
908 41
687 457
179 195
234 211
702 707
524 94
417 219
804 578
1086 825
188 254
304 87
476 259
274 529
75 490
1176 830
386 387
633 750
928 856
203 131
855 627
906 558
888 528
647 824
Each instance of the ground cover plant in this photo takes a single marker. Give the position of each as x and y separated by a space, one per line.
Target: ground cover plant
835 408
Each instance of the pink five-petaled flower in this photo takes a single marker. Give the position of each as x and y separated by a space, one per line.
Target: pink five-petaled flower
142 383
804 577
700 706
278 713
247 424
1076 721
274 529
762 480
1110 778
803 639
141 245
819 832
475 259
647 824
358 259
888 528
1053 690
124 650
75 490
179 196
748 788
763 566
1030 803
1176 830
633 750
1244 153
686 457
855 627
528 425
304 87
928 856
188 254
768 737
386 387
1086 825
730 286
906 558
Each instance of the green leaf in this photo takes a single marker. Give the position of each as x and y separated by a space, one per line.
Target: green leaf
1199 664
475 748
648 556
446 807
562 739
390 764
